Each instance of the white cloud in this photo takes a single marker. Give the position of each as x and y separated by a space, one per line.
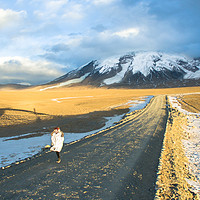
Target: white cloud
10 18
102 2
55 5
123 34
127 32
74 12
60 10
19 1
48 9
20 69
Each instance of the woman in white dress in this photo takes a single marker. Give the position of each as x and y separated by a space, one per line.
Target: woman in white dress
57 139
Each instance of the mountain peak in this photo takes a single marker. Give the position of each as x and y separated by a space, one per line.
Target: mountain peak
137 70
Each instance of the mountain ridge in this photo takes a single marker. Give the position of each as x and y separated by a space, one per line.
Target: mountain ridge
136 70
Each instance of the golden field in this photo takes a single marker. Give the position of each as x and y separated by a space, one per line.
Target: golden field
24 106
190 102
80 99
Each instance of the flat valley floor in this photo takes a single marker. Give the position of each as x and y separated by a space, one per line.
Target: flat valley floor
118 163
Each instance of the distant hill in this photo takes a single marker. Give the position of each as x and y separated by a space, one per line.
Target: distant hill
135 70
13 86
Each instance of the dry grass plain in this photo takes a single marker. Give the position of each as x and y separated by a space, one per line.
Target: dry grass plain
28 105
190 102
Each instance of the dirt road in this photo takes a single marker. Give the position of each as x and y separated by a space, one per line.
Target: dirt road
119 163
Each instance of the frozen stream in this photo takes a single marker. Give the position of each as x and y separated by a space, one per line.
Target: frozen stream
18 149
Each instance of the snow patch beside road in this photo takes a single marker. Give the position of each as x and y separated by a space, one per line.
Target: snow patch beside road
192 144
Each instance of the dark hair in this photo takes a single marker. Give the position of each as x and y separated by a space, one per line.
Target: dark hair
56 128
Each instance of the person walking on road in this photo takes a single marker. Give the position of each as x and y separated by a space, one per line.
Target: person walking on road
57 139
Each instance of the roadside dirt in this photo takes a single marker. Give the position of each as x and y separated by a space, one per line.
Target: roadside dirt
119 163
173 168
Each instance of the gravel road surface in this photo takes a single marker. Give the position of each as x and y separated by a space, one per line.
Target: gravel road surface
118 163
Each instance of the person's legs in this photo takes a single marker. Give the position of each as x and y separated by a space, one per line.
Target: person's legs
58 155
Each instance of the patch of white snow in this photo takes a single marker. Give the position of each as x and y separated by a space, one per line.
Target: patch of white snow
118 77
75 80
192 75
107 64
192 144
58 100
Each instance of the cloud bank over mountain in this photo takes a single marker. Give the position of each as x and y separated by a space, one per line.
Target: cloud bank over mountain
67 33
23 70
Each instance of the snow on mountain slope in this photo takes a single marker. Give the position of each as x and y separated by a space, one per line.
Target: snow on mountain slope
118 77
136 70
69 82
106 65
191 75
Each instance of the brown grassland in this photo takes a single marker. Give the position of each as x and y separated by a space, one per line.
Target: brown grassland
190 102
27 105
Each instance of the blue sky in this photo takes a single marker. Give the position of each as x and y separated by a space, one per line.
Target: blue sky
43 39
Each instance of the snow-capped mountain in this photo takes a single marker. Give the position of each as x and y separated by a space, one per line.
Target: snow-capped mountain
136 70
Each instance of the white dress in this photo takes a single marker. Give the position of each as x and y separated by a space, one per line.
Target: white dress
57 141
